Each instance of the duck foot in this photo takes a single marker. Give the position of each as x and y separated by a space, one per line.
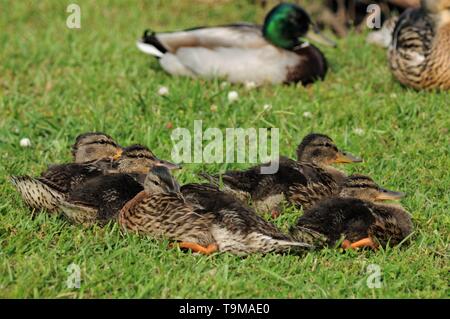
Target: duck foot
198 248
275 213
365 242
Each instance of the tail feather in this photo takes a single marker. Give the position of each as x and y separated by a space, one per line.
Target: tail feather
36 193
307 235
150 44
79 213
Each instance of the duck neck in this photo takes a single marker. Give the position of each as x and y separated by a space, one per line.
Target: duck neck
337 175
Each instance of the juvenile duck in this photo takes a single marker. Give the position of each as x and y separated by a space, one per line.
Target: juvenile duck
201 218
94 146
419 52
301 182
99 199
274 53
357 215
46 191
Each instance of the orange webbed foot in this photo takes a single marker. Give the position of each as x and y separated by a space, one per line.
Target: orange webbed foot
365 242
198 248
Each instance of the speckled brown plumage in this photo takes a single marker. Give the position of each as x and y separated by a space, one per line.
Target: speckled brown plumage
57 181
204 215
351 218
100 199
419 55
301 182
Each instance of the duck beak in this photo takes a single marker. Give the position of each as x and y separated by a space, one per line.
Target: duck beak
386 194
118 155
344 157
167 164
315 35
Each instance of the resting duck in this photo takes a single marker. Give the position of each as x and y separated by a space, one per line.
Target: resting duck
301 182
201 218
94 146
357 215
242 53
419 52
46 191
99 199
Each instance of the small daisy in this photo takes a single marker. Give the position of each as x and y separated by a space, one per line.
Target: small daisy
25 142
163 91
307 115
233 96
358 131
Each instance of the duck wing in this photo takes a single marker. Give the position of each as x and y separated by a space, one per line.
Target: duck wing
38 193
100 198
411 44
234 35
237 227
66 176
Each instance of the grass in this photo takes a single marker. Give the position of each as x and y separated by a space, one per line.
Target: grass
56 83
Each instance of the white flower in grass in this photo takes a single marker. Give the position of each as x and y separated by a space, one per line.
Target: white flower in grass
233 96
250 85
307 115
358 131
163 91
25 142
267 107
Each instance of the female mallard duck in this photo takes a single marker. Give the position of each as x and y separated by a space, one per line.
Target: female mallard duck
242 53
94 146
357 215
419 54
201 218
99 199
301 182
46 191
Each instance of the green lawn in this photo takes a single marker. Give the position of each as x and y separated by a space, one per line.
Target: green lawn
56 83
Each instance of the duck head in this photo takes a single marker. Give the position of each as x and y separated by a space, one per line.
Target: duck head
364 187
94 146
159 180
321 150
140 159
286 26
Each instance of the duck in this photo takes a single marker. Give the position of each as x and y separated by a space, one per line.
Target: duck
302 182
359 214
49 189
274 53
419 52
99 199
94 146
201 218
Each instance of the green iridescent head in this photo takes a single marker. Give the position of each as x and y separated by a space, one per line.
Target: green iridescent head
286 24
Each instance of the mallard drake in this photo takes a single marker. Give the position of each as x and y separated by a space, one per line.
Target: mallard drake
243 53
93 146
302 182
47 191
357 215
201 218
419 52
